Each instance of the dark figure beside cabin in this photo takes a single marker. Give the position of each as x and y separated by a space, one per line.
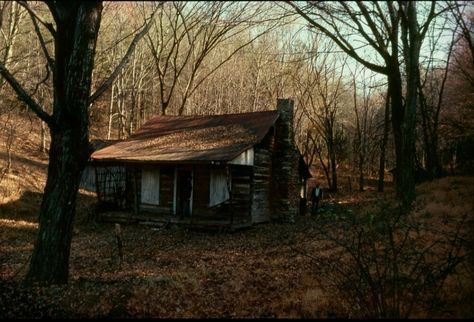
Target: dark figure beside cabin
316 196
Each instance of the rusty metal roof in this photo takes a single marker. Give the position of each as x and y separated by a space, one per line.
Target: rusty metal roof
191 138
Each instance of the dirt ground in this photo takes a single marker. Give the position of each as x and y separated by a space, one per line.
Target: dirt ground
175 272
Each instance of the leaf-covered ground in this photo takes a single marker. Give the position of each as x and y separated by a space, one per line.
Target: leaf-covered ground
174 272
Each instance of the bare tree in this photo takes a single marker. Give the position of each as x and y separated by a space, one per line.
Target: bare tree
75 36
464 20
432 84
124 109
187 33
320 88
365 107
457 121
384 28
383 144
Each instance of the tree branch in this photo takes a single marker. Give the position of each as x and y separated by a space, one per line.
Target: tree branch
106 84
24 96
48 25
347 49
41 39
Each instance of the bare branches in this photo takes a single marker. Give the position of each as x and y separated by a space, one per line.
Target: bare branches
335 35
466 27
34 19
49 26
102 88
24 96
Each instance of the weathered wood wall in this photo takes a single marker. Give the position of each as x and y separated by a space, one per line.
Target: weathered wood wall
201 191
261 178
166 188
88 179
242 190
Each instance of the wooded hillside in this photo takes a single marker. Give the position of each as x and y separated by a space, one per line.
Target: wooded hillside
383 115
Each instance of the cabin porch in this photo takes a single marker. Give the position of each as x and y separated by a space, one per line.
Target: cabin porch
161 219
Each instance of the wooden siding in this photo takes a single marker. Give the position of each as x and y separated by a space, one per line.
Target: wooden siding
167 188
242 189
201 190
261 179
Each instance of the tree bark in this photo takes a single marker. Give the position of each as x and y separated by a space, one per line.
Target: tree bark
412 44
76 36
50 259
404 151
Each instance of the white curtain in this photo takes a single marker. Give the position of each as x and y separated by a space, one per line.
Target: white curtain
218 191
150 186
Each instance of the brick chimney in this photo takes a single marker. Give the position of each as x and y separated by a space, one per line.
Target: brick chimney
284 188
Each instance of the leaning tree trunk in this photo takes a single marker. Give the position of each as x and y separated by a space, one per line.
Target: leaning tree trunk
77 26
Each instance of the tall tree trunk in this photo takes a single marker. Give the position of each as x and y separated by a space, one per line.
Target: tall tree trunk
76 35
50 259
383 146
333 171
412 45
111 112
404 150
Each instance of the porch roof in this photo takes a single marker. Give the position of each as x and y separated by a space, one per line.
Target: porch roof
191 138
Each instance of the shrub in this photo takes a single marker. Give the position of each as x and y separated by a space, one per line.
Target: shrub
387 263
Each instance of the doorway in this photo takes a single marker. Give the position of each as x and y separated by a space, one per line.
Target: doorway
184 193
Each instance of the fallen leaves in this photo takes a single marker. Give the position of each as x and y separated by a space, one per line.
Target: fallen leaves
263 271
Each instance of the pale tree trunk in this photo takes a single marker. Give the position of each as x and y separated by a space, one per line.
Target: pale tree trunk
43 137
11 31
383 145
111 112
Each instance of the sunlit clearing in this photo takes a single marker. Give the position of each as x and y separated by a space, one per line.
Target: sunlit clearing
17 223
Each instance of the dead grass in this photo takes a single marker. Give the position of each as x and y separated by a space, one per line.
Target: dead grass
28 168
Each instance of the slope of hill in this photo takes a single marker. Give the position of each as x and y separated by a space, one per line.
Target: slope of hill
20 141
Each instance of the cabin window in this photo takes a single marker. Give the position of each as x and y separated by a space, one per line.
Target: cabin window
150 190
218 189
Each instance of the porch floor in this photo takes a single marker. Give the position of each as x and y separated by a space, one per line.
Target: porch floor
161 219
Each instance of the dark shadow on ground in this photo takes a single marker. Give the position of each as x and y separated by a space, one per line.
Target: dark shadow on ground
28 162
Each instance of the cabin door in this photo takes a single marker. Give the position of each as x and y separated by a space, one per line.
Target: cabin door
184 193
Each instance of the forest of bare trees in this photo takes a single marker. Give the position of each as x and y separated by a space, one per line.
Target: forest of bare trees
377 85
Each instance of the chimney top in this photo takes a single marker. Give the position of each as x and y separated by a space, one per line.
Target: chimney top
285 104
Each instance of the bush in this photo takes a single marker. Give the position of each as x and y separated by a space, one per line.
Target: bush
386 263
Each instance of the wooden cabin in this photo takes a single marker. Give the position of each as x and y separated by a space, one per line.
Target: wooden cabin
230 170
